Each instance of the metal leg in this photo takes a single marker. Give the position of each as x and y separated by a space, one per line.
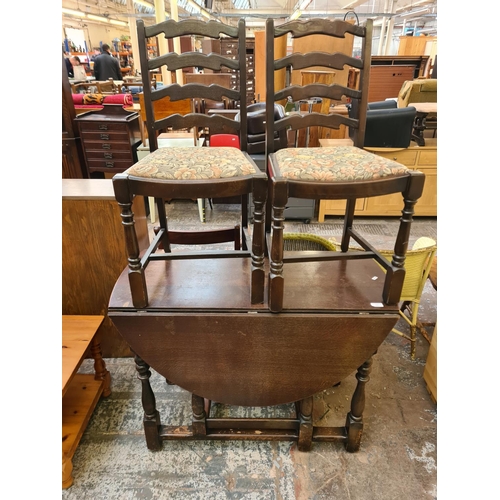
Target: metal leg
201 209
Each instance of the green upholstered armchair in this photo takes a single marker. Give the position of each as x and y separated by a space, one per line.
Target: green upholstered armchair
419 90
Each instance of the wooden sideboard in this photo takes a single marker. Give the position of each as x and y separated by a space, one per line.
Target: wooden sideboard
93 253
422 158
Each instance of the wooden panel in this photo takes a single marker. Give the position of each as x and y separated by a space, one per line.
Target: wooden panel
260 64
77 407
323 43
337 206
164 107
93 252
386 81
412 45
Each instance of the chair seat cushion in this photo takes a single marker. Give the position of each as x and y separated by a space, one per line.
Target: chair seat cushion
335 164
195 163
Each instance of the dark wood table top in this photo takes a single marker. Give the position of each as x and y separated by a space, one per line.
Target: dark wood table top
224 285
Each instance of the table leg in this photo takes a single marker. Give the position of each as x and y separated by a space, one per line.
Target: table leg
418 128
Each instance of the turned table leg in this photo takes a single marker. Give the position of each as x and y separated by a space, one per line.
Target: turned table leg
101 373
354 421
67 471
306 425
151 418
199 416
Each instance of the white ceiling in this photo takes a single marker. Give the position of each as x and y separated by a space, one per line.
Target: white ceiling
255 11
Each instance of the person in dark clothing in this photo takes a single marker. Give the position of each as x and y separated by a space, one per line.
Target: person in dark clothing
69 66
106 66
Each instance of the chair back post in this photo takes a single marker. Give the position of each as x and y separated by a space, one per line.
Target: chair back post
364 82
269 88
146 77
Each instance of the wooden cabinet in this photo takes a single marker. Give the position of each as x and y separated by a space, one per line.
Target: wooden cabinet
80 392
422 158
419 62
415 45
110 138
260 64
229 48
94 254
386 81
72 155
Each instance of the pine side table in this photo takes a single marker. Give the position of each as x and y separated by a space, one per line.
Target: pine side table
80 392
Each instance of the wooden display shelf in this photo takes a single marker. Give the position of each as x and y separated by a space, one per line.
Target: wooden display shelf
80 392
422 158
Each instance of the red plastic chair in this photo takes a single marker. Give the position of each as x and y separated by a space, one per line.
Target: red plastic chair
221 140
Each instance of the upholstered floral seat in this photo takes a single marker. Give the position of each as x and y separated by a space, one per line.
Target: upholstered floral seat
335 164
190 163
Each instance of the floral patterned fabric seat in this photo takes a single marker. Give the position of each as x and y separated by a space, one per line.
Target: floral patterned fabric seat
194 163
335 164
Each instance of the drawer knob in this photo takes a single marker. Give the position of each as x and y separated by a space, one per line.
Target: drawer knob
103 126
108 155
110 164
395 158
105 137
106 146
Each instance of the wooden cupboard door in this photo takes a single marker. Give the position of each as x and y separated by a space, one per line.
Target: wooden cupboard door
336 207
427 204
391 204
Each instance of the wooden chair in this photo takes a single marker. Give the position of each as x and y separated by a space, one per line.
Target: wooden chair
350 298
344 172
107 87
189 172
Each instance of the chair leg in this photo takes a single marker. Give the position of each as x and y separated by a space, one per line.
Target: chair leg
413 329
354 421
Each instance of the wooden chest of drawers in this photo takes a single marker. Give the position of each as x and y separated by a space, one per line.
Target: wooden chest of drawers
110 138
422 158
229 48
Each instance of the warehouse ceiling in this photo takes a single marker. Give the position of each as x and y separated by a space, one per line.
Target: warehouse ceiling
420 14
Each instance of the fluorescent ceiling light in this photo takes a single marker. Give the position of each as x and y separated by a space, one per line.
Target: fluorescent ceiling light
98 18
117 23
413 4
144 4
78 13
295 15
410 14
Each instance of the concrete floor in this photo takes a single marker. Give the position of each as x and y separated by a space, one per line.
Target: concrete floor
397 459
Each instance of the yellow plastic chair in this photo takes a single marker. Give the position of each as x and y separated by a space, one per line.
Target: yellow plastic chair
417 264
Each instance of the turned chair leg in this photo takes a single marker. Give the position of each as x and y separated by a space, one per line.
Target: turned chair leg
354 421
151 418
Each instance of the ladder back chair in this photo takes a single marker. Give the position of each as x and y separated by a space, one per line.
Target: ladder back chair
335 173
189 172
